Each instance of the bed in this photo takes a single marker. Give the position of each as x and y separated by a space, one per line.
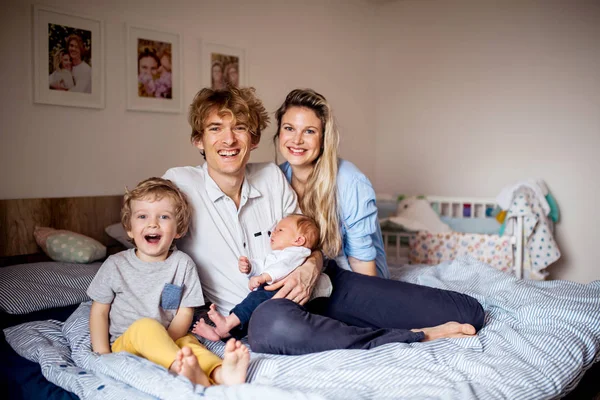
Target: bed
541 339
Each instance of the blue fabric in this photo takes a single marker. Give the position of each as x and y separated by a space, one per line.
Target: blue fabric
361 233
245 309
553 207
171 296
363 312
484 226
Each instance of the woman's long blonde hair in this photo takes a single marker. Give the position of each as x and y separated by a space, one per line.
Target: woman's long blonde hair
320 194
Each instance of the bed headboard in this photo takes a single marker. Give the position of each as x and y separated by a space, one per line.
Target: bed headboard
86 215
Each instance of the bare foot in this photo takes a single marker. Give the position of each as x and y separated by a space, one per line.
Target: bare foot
447 330
201 328
235 363
222 324
188 366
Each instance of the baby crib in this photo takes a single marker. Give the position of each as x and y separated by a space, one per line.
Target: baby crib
396 243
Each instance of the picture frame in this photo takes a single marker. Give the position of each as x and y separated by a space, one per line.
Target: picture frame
154 74
229 59
68 58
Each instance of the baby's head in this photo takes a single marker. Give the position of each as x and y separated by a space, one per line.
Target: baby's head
165 59
295 230
154 214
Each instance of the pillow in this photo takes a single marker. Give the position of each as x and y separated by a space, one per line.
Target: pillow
117 232
67 246
31 287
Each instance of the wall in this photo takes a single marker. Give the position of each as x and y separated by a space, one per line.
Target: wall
474 95
53 151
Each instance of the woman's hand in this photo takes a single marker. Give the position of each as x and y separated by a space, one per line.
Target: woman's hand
299 284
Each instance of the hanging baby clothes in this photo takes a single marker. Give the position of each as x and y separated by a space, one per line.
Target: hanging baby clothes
540 247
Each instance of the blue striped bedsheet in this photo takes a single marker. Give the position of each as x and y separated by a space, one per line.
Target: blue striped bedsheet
538 340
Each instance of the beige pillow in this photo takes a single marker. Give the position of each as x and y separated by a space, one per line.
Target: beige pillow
67 246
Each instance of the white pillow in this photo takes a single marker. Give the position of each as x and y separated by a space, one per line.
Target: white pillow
117 232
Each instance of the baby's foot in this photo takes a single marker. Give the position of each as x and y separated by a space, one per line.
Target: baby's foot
189 367
447 330
235 363
222 327
201 328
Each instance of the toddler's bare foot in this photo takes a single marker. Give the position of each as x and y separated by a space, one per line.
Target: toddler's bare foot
235 363
189 367
222 324
201 328
447 330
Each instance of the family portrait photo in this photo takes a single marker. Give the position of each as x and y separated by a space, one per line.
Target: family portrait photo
223 66
155 78
69 58
153 70
224 71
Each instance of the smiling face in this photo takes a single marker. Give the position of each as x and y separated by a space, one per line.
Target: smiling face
226 146
153 227
74 50
66 62
148 66
300 137
286 234
217 74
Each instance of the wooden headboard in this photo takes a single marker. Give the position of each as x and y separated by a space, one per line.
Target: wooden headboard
86 215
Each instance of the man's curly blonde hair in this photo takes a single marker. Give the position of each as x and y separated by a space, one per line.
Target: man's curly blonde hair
241 104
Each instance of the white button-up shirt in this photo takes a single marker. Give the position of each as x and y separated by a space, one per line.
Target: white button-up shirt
220 233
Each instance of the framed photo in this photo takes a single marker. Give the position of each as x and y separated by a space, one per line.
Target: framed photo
222 66
68 58
154 78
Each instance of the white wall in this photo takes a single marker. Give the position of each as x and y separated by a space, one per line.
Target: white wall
452 97
473 95
54 151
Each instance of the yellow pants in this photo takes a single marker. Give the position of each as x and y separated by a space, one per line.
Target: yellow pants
147 338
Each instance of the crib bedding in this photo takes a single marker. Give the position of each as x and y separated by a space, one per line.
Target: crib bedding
538 340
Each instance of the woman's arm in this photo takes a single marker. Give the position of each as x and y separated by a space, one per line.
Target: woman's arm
181 323
99 327
363 267
299 284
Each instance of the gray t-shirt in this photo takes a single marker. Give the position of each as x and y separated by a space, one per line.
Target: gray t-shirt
137 289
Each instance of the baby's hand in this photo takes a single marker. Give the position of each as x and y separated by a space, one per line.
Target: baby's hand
255 282
244 265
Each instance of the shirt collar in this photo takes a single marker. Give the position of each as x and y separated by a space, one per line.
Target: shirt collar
215 193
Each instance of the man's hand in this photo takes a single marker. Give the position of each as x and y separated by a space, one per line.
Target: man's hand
299 284
244 265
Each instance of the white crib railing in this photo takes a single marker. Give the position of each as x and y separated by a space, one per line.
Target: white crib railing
396 244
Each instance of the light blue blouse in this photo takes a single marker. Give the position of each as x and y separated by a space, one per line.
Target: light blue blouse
361 233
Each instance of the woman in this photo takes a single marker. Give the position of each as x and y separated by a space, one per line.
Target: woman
362 311
347 215
217 80
61 78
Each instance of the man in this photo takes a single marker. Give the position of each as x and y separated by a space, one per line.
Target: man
236 205
82 72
